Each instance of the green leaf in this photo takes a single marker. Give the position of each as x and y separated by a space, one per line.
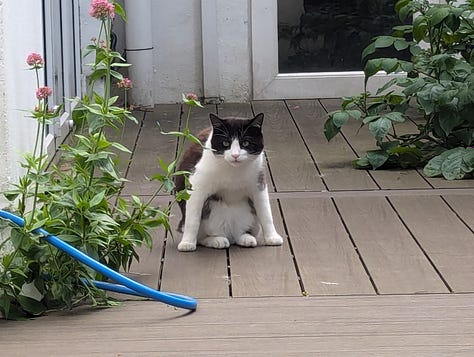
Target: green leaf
354 113
453 22
401 45
340 118
368 50
384 41
163 165
451 164
395 117
361 163
390 65
420 28
380 128
330 130
102 218
193 139
171 166
97 74
11 196
404 9
31 305
121 147
38 224
30 290
377 158
370 118
120 65
448 120
116 75
136 200
387 85
437 14
97 199
372 67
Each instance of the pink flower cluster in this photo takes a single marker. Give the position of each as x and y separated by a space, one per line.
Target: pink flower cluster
102 9
191 99
191 96
43 92
35 60
125 83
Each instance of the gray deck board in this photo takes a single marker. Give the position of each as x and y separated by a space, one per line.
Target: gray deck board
264 271
393 259
327 260
463 205
334 158
290 162
445 238
425 325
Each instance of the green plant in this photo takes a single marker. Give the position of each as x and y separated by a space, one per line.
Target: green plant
77 203
436 86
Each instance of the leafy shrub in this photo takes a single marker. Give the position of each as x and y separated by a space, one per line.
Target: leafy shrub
436 86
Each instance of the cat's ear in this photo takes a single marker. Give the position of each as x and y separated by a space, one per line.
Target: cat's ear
215 120
257 121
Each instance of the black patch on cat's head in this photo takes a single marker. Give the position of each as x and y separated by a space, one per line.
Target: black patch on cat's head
247 131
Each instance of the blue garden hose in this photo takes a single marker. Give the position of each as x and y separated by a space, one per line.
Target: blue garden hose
125 285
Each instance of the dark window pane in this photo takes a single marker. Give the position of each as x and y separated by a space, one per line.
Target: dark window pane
329 35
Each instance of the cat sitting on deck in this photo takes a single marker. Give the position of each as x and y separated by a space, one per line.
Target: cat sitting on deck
229 201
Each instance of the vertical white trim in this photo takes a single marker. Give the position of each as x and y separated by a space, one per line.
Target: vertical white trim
210 50
264 16
68 52
77 47
62 53
139 49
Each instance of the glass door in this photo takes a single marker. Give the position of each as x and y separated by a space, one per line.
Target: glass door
312 48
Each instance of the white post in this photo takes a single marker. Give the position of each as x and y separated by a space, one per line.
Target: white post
210 51
139 51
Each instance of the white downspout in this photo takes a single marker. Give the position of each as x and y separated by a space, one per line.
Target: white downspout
210 52
139 51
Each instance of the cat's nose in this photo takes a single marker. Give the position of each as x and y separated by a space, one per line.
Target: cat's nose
235 156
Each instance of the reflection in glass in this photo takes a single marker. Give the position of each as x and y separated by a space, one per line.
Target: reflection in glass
329 35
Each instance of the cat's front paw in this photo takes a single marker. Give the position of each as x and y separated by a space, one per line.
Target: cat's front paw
184 246
246 240
215 242
274 239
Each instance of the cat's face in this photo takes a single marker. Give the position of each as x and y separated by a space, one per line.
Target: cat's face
237 140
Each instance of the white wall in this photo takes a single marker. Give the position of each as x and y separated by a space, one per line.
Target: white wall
235 70
20 34
177 49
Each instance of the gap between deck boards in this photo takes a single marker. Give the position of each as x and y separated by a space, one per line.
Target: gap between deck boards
363 193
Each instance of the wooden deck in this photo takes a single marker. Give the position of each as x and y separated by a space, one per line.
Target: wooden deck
374 262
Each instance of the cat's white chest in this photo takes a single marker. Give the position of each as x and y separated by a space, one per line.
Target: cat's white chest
215 175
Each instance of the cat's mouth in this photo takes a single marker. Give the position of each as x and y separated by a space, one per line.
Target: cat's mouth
235 162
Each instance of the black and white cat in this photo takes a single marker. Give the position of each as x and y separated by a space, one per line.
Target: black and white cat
229 201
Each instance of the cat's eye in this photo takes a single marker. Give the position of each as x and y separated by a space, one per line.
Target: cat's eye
225 144
245 144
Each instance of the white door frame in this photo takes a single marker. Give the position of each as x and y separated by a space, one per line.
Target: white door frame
269 84
62 63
